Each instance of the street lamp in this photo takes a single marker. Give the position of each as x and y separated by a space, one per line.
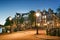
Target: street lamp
10 18
37 15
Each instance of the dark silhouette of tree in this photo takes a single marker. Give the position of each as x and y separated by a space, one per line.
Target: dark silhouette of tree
21 20
31 16
8 22
50 10
58 9
58 12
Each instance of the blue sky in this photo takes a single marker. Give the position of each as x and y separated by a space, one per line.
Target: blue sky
10 7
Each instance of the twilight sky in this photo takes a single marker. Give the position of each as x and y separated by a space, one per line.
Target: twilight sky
10 7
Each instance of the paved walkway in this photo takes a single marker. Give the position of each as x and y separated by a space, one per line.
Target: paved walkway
28 35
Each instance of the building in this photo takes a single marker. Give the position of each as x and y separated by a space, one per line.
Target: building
2 29
48 18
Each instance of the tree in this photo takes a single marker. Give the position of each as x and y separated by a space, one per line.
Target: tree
58 11
21 20
50 10
31 16
8 22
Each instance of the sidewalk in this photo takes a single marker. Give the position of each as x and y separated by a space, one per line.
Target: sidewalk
28 35
40 37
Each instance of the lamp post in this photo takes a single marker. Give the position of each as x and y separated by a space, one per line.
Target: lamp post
10 18
37 15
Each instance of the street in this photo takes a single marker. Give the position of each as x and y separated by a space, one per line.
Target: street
28 35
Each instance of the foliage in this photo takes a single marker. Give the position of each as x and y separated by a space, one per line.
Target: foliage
58 9
31 16
58 12
8 22
21 20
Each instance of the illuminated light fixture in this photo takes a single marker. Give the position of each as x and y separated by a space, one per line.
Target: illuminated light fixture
37 14
45 24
